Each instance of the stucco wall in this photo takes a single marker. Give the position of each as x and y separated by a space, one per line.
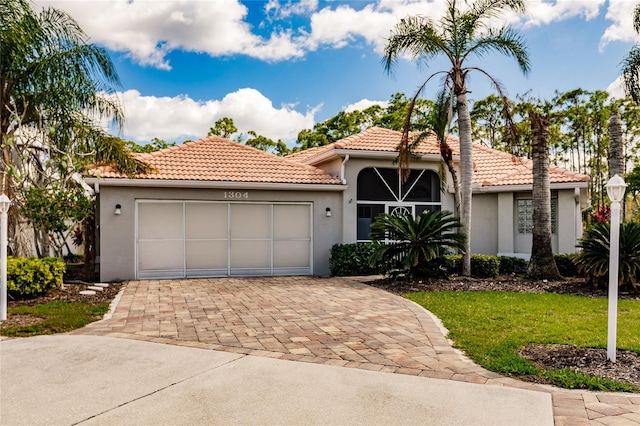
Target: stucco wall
484 224
568 225
117 232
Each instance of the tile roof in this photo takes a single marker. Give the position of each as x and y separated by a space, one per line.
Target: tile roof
372 139
491 167
218 159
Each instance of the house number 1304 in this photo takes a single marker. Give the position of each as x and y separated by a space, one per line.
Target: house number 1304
234 195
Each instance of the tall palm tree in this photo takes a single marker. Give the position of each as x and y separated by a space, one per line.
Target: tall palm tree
458 35
542 263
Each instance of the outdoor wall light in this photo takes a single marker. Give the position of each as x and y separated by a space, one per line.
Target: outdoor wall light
118 211
328 212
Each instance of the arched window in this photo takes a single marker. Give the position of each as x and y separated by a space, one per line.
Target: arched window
381 190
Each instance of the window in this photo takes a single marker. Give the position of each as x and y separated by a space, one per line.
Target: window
381 190
525 215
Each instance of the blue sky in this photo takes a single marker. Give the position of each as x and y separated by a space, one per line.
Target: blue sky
279 66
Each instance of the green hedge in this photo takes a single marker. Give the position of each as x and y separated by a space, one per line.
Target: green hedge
29 277
482 265
352 259
512 265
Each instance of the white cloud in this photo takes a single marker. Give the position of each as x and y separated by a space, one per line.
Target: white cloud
339 26
363 104
299 7
178 118
541 12
148 30
616 89
621 13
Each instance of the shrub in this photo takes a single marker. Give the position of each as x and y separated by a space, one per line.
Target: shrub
512 265
566 265
482 265
29 277
417 243
352 259
593 260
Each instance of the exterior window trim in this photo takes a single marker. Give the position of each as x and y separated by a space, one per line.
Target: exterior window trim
528 226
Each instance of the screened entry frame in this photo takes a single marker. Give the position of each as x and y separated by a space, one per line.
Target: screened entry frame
381 190
240 239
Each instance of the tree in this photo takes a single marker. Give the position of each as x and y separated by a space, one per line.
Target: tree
156 145
223 127
345 123
266 144
459 35
438 122
631 64
542 263
55 91
487 121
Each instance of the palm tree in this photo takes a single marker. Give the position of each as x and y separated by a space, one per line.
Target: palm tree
416 244
438 121
631 64
458 35
55 91
542 263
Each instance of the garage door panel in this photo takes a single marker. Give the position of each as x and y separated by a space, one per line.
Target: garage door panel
161 255
250 221
206 220
291 221
250 254
291 254
207 254
160 220
207 239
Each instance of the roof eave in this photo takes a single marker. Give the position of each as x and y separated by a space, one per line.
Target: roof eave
363 153
529 187
162 183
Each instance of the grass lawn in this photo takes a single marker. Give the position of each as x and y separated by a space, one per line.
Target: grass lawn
490 327
54 317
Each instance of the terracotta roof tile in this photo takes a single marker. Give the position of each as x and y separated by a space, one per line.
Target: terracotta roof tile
491 167
218 159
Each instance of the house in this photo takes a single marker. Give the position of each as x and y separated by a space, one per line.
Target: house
214 207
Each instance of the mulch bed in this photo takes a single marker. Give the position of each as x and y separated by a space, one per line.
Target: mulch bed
70 292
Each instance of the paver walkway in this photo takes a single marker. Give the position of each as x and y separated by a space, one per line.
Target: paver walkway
333 321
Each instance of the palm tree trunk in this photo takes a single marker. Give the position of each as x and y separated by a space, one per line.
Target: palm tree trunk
616 159
616 149
542 263
466 176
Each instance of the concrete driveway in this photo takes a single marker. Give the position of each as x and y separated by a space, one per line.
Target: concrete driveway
221 351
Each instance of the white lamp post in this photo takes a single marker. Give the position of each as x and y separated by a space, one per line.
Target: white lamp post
4 208
615 189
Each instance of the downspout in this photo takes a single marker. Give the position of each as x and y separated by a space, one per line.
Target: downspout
342 167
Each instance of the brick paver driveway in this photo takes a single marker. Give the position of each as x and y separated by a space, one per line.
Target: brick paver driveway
332 321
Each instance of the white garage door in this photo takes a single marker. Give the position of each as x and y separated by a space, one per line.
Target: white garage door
176 239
